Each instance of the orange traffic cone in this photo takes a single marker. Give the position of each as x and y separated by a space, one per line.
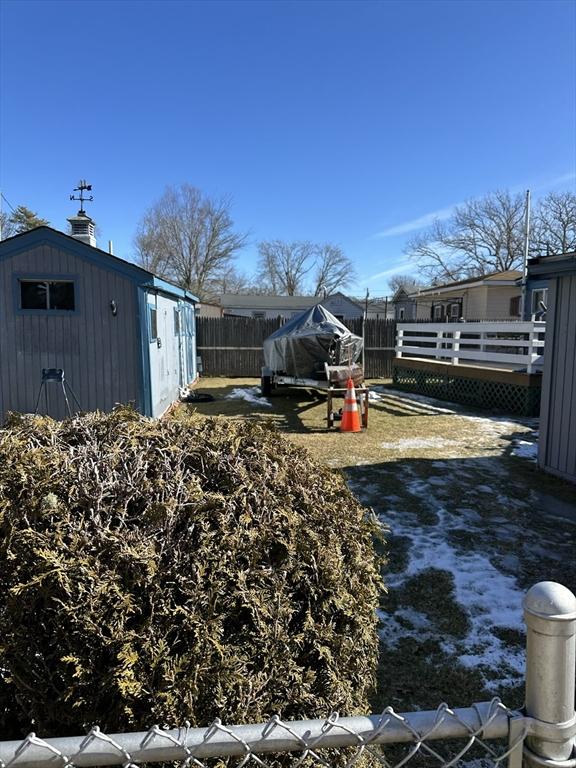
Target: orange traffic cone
350 415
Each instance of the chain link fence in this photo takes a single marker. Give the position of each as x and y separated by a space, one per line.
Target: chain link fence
483 735
440 738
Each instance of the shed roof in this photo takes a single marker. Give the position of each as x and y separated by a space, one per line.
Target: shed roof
553 266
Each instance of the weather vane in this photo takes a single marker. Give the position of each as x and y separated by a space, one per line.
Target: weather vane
82 187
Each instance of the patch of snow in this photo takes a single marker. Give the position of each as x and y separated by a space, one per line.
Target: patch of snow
491 598
525 450
250 394
415 443
414 618
484 489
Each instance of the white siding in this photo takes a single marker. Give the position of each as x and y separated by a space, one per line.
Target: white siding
169 368
498 302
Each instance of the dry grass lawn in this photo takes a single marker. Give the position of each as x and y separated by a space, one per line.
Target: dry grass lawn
470 526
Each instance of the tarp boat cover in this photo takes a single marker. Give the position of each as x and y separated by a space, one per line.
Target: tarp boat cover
311 339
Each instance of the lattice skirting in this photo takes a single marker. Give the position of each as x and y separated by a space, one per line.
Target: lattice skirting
492 395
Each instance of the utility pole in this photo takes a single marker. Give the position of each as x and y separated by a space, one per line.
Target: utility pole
525 256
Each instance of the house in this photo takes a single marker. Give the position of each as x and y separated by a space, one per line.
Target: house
209 309
490 297
405 307
557 440
119 333
378 308
265 306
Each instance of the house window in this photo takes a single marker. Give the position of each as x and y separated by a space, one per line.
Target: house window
176 321
515 306
454 311
48 295
401 313
438 312
153 321
539 300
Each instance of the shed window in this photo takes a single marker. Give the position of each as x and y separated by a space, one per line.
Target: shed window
401 313
153 317
176 321
49 295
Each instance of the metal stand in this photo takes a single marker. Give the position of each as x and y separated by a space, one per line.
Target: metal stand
361 397
55 376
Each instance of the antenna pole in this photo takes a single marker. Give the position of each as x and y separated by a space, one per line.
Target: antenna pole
525 255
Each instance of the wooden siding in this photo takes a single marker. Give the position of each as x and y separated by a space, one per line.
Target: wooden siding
557 447
475 303
232 346
98 351
498 301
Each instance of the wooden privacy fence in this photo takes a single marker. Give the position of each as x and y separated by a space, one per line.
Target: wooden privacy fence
232 346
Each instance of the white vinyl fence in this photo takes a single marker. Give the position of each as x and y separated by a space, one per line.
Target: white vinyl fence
514 345
486 734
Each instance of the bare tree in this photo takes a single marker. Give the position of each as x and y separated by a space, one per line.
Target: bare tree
188 238
554 223
283 266
407 283
303 267
6 227
333 270
231 281
482 236
487 235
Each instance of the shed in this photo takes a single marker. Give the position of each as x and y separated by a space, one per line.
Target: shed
557 443
119 333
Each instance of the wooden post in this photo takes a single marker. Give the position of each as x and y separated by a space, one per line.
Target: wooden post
439 337
400 342
456 346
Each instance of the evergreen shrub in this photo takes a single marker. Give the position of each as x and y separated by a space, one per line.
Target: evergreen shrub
185 569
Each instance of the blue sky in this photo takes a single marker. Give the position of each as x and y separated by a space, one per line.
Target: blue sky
347 122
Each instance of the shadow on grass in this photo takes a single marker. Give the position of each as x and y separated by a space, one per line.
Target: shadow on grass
500 512
287 407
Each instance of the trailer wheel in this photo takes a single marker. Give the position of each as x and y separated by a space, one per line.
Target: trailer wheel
266 386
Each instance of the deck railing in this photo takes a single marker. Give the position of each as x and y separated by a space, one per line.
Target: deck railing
514 345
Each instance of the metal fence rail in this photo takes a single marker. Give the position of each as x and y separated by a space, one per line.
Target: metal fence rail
475 725
541 736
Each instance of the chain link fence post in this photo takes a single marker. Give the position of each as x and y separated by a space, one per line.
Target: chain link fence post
550 615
